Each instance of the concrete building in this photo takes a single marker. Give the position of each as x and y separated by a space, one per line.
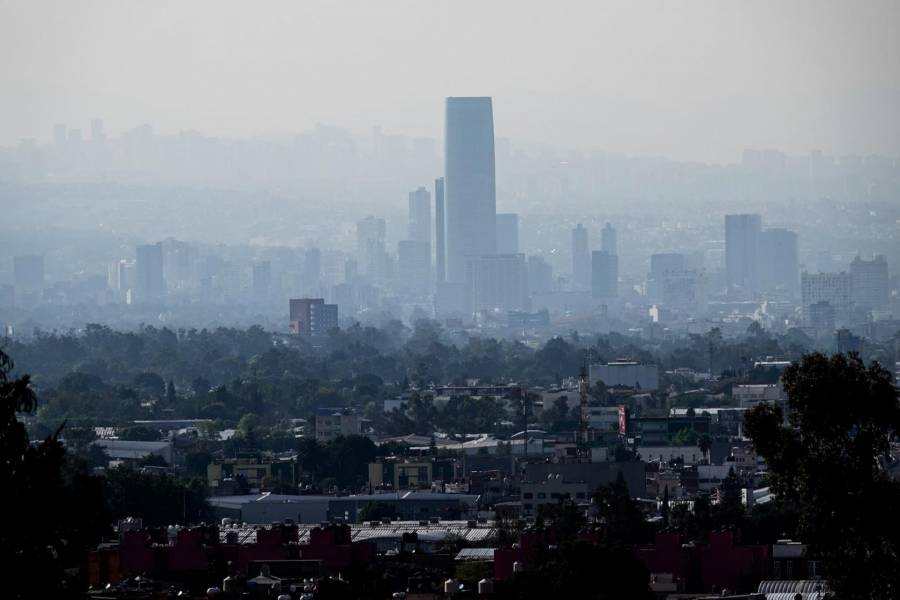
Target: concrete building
552 490
581 258
440 248
625 373
660 265
149 285
370 247
420 216
311 317
749 395
779 268
401 475
604 274
833 289
333 423
497 281
869 285
507 233
261 280
742 254
470 187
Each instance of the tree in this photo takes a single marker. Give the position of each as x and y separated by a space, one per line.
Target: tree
827 462
621 518
46 535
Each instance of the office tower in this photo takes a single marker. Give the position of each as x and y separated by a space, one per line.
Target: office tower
420 216
351 270
178 263
414 268
59 135
28 273
311 317
684 290
742 253
608 240
831 289
262 279
869 283
604 274
507 233
581 258
312 266
497 282
149 285
660 264
779 262
469 186
440 248
540 275
97 134
370 240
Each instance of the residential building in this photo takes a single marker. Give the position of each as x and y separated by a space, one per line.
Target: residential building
333 423
311 317
834 289
779 262
869 284
497 281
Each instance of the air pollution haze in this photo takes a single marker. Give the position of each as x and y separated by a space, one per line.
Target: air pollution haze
452 299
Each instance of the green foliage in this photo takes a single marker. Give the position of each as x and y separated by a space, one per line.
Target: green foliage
827 463
56 515
622 520
157 498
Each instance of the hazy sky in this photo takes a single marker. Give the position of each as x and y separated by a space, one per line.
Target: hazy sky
692 80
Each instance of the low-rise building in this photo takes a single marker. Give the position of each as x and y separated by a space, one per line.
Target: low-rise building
626 373
332 423
749 395
551 490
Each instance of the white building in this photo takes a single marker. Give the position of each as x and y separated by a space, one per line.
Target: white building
749 395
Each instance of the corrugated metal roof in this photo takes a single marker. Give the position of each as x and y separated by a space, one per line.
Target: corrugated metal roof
476 554
785 586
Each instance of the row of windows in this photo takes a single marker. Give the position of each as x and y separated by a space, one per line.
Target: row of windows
553 495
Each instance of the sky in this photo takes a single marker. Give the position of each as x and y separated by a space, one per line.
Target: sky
687 80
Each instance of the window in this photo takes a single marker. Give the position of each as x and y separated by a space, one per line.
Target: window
554 495
541 495
528 495
528 506
579 495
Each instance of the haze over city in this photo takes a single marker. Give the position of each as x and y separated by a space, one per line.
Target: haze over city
445 300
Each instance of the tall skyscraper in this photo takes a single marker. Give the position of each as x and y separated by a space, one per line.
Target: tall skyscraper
742 253
779 262
470 187
604 274
149 285
608 240
440 249
660 265
507 233
869 282
28 273
420 216
581 258
826 293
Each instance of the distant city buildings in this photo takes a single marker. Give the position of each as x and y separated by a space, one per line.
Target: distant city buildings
149 285
779 262
870 287
826 298
28 273
609 240
420 216
497 281
440 248
604 274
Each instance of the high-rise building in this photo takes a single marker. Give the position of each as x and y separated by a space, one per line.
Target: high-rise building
742 254
470 186
604 274
581 258
869 282
414 268
311 317
608 240
540 275
420 216
59 135
779 262
440 248
826 293
507 233
497 281
97 134
370 247
28 273
149 285
262 279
